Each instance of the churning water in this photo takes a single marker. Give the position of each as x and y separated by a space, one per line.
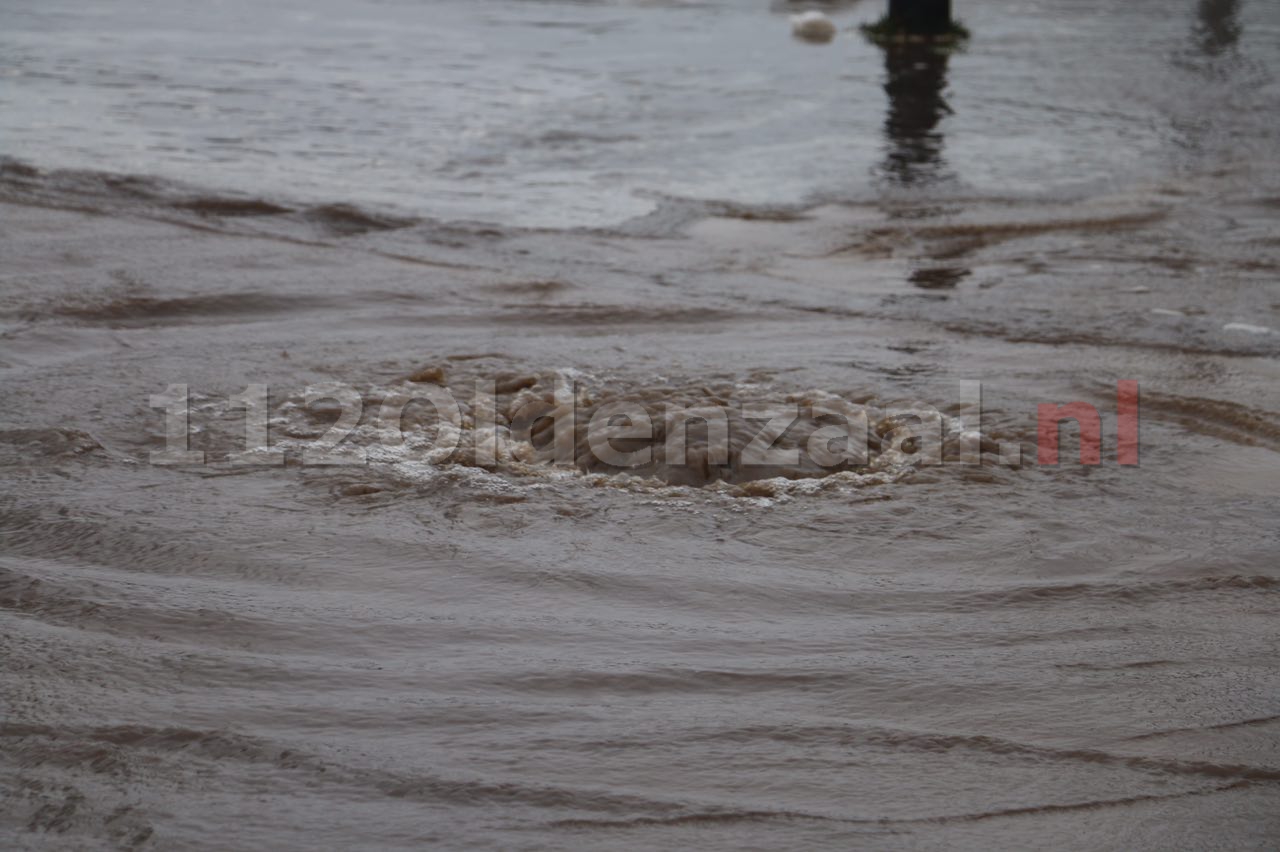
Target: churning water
662 204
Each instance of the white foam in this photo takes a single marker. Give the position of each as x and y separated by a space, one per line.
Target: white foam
1247 328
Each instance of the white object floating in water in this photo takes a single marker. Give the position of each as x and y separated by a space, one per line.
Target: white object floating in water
1167 312
1247 328
813 26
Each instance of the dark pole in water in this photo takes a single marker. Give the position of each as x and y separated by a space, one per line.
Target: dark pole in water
920 17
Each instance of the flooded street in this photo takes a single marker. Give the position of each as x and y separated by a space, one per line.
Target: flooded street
477 634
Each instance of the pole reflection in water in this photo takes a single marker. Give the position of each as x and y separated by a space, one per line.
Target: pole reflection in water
1218 26
915 79
1212 53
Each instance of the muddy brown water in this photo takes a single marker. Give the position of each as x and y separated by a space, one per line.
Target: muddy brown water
419 650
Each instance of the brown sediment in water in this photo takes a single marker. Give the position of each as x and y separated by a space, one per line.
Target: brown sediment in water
231 207
523 644
290 613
